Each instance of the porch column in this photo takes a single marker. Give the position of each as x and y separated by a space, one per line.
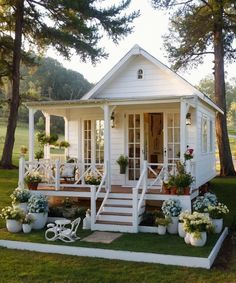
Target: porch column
47 132
66 135
107 143
31 134
183 108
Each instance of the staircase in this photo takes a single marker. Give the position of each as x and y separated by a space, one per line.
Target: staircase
117 213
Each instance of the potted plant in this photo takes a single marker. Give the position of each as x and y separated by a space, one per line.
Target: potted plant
39 154
183 215
13 217
38 208
32 180
182 182
92 178
216 213
23 150
197 225
172 208
162 223
27 223
202 203
123 162
20 198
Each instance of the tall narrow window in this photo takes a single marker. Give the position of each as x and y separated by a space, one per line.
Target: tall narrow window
99 128
204 134
173 125
87 141
140 74
211 136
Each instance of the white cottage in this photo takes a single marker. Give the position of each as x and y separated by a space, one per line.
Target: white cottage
140 109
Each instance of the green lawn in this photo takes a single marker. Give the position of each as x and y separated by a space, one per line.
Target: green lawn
23 266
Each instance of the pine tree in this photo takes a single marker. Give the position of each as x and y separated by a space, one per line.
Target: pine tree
200 27
67 26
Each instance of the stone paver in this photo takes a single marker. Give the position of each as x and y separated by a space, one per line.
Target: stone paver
102 237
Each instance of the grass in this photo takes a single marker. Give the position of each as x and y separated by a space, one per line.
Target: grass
24 266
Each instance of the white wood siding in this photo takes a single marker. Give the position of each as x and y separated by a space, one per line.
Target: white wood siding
155 82
205 162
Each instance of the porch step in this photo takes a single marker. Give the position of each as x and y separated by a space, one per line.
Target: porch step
113 222
116 213
119 201
125 227
116 217
117 208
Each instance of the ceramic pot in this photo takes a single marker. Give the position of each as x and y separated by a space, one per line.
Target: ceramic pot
26 228
32 186
173 190
13 226
122 169
172 228
218 225
187 191
40 220
87 222
187 239
22 205
181 231
161 230
198 242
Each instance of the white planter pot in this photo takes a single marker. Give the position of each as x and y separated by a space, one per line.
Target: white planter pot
26 228
218 225
40 220
172 228
87 222
13 226
187 239
161 230
198 242
181 231
22 205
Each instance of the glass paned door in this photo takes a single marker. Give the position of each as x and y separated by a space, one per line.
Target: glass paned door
134 146
173 137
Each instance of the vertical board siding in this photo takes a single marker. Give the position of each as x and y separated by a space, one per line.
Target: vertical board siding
73 138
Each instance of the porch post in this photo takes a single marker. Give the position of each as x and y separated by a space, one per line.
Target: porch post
31 134
107 144
182 128
66 135
47 131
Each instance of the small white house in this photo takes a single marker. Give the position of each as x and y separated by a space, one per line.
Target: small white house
145 111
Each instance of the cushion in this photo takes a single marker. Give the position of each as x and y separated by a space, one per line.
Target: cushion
68 171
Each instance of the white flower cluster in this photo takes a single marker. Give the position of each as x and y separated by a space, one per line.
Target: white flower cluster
218 211
92 178
202 202
20 195
197 222
33 177
171 207
37 204
13 213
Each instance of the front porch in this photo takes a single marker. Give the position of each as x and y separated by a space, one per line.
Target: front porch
113 208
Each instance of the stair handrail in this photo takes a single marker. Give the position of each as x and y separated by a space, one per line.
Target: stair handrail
142 180
103 202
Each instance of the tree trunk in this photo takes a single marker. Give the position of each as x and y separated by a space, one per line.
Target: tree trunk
6 161
226 162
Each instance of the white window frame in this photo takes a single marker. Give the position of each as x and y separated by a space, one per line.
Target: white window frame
204 134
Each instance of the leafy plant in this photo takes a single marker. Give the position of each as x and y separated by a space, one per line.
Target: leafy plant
64 144
23 149
171 207
33 177
38 204
218 211
39 154
13 213
196 223
159 221
28 219
122 160
20 195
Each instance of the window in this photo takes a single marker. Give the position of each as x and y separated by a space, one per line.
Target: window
93 141
204 134
140 74
99 128
211 136
173 145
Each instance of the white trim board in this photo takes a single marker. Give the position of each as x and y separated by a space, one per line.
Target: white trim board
186 261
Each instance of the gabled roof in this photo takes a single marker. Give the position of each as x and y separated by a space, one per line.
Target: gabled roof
137 50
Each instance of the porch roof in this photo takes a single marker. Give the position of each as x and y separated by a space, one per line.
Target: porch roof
67 104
